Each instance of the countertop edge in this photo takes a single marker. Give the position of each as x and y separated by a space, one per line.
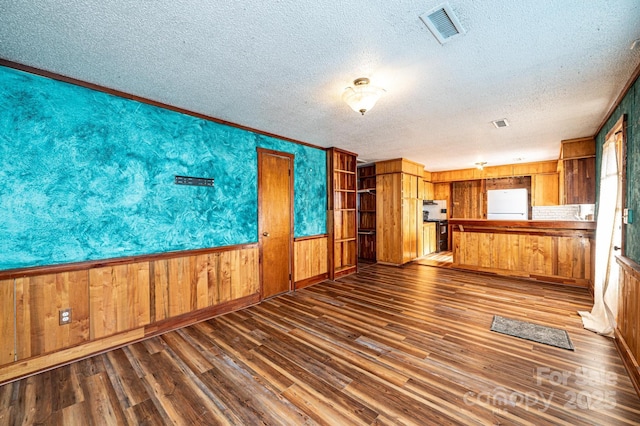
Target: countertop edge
538 224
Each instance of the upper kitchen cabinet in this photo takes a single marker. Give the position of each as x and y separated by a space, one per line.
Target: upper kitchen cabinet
577 169
544 189
341 222
428 186
442 191
399 195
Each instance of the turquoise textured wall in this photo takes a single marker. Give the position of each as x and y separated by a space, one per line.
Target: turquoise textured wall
86 175
629 105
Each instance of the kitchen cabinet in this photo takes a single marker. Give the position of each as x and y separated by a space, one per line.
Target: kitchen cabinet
342 221
544 189
399 192
504 171
579 181
577 169
429 238
428 191
411 238
442 191
412 196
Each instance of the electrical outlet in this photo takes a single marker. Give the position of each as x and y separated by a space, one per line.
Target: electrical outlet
65 316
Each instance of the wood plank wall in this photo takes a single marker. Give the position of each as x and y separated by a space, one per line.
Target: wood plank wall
113 304
38 300
7 336
562 256
468 199
119 298
628 320
186 284
310 260
579 180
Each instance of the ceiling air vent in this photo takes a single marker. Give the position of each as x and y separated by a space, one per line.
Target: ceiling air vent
500 123
443 23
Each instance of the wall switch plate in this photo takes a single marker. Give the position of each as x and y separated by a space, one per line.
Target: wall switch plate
65 316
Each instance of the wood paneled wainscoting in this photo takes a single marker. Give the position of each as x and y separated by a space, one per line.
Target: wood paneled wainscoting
388 345
115 302
628 320
551 251
310 260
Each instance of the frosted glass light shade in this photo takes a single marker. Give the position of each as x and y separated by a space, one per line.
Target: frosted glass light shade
362 96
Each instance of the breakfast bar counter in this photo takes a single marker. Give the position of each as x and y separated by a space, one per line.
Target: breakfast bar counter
551 251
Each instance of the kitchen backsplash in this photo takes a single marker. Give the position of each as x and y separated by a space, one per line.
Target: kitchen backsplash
436 210
564 212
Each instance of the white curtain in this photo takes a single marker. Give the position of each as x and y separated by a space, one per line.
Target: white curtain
602 318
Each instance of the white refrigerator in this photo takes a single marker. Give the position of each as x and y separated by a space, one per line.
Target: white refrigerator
508 204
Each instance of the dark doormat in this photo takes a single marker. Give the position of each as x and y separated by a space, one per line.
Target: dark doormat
534 332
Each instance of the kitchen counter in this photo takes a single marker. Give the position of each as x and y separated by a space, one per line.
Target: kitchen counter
525 224
546 250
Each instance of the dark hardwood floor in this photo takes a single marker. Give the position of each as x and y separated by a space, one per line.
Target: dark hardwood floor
442 259
389 345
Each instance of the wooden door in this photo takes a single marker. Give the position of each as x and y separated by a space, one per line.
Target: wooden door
275 212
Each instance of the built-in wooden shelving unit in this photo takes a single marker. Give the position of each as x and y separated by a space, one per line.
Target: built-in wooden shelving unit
367 212
341 221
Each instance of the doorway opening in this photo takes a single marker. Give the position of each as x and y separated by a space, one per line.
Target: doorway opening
609 233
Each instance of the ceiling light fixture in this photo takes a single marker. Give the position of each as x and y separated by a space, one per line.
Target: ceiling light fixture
362 96
480 165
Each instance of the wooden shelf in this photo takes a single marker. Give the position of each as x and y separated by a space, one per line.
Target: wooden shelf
367 212
342 220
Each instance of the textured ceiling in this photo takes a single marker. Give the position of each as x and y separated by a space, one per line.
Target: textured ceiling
552 68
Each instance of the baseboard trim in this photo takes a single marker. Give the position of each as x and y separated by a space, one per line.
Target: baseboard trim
630 363
311 281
